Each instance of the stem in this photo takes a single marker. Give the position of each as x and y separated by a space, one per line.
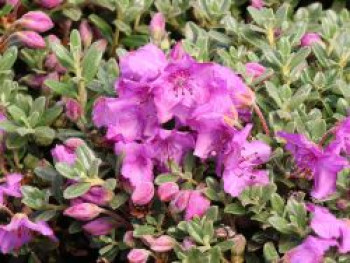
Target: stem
116 217
326 135
7 210
262 119
3 168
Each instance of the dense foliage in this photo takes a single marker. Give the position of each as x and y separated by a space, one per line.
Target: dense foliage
174 131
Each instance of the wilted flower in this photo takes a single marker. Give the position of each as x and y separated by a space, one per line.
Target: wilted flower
49 3
36 21
73 109
29 39
83 211
11 187
254 69
143 193
138 256
99 227
167 191
21 231
309 39
159 244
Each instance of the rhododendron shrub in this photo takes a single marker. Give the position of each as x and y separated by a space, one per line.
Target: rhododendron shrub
174 131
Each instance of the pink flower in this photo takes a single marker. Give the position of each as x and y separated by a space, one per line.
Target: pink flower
98 195
63 154
83 211
49 3
341 143
254 69
258 4
138 256
157 26
99 227
29 39
36 21
85 33
309 39
160 244
167 191
143 193
11 187
73 109
21 231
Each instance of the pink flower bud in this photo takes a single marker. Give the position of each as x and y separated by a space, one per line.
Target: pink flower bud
197 205
73 109
160 244
128 238
177 52
29 39
157 26
258 4
180 202
99 227
85 33
73 143
98 195
167 191
102 44
63 154
138 256
35 20
254 69
49 3
309 39
143 193
54 39
83 211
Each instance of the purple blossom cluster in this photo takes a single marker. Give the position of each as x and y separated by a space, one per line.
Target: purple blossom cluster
170 106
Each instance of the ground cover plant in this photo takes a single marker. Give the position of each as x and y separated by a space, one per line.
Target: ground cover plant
174 131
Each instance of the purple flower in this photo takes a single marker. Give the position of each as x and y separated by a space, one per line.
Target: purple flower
254 69
258 4
323 166
21 231
157 26
310 251
29 39
99 227
126 119
240 160
83 211
138 256
341 142
192 201
160 244
98 195
167 191
49 3
309 39
36 21
137 164
11 187
143 193
85 33
63 154
144 64
73 109
171 145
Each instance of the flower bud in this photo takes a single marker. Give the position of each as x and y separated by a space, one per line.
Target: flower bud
138 256
188 243
239 245
73 143
52 63
177 52
63 154
83 211
180 201
73 109
128 238
98 195
29 39
309 39
157 26
99 227
167 191
224 232
254 69
49 4
85 33
160 244
101 45
36 21
258 4
143 193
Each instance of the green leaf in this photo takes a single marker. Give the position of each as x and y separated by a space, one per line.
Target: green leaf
280 224
33 197
235 209
8 59
61 88
16 113
66 171
76 190
143 230
103 26
50 115
75 44
277 203
270 252
91 62
8 126
165 178
63 55
44 135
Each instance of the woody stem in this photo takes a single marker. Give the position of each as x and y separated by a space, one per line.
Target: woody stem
262 119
